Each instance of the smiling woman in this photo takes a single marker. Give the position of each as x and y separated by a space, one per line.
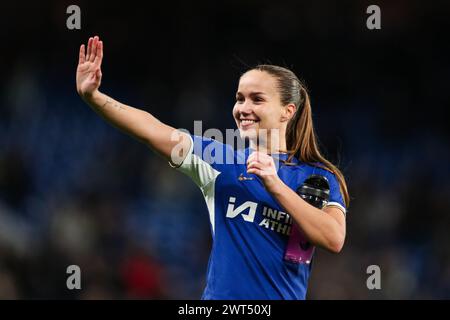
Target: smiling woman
249 239
257 112
256 108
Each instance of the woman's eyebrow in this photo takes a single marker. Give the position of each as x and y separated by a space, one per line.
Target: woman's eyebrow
252 93
257 92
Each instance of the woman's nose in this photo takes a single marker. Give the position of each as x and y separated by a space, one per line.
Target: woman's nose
245 107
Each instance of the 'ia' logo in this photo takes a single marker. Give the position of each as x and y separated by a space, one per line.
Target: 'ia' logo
234 212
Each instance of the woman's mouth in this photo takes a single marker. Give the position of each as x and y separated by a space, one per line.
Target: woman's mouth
246 123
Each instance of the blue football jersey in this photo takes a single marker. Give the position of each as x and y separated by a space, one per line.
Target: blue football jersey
249 228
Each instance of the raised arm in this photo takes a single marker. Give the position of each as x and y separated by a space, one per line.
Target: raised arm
137 123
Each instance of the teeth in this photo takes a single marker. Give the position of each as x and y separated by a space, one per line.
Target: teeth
247 121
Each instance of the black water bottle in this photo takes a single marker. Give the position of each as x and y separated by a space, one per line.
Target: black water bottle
315 190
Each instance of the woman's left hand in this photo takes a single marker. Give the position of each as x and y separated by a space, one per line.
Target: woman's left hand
263 165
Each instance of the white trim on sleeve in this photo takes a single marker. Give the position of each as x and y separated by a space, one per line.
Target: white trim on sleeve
187 157
338 205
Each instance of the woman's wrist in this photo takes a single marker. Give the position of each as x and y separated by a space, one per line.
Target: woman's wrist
90 97
274 185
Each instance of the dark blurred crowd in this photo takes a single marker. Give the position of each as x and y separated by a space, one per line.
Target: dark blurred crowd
74 191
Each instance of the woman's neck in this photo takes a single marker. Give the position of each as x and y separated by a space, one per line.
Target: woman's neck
269 146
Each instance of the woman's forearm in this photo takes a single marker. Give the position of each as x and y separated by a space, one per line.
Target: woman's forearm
320 228
136 123
131 120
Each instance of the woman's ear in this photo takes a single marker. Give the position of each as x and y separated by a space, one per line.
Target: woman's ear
288 112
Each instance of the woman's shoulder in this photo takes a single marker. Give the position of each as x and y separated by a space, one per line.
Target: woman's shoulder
315 168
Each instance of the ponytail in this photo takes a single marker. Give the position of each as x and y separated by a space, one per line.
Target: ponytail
301 142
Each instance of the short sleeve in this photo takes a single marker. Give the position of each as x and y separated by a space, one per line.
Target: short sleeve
336 199
202 161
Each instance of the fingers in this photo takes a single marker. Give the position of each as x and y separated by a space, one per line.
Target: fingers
93 49
254 156
255 165
82 56
89 48
99 54
258 172
261 164
260 157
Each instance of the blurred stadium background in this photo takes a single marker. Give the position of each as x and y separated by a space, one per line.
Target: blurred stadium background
73 190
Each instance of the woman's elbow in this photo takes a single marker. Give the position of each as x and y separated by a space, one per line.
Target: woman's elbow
336 243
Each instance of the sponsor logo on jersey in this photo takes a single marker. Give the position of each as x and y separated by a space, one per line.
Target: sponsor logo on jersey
273 219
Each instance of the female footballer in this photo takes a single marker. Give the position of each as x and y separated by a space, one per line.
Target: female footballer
252 202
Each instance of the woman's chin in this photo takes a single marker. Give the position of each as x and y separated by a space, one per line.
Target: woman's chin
249 133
